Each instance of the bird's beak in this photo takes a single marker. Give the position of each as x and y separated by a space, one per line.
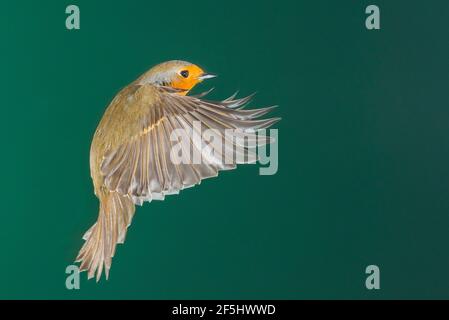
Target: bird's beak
205 76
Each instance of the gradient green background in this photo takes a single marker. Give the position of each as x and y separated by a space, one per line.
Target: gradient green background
364 149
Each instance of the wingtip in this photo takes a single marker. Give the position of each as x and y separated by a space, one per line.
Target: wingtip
270 122
205 93
276 120
232 97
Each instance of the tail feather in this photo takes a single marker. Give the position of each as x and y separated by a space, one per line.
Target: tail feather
116 213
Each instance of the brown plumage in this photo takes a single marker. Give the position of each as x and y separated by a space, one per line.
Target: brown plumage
130 153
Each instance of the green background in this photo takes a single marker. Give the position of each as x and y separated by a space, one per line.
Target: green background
364 149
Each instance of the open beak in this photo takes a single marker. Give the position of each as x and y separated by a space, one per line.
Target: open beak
205 76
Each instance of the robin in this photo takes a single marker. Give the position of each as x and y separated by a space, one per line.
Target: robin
130 155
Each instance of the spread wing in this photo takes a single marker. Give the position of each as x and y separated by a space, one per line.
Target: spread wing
143 167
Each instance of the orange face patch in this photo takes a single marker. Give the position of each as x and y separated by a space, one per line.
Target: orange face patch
187 78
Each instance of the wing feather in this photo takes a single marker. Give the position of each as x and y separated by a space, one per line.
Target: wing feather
141 167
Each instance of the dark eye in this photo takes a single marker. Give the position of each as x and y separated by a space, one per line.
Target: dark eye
185 73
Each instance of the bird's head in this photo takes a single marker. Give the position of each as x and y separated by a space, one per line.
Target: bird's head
176 74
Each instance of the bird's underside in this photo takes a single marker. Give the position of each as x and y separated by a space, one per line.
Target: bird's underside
131 161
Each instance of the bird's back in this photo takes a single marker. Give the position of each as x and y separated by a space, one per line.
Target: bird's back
123 120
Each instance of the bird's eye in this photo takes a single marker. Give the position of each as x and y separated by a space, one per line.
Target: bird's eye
185 73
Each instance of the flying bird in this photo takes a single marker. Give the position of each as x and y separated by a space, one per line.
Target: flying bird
130 159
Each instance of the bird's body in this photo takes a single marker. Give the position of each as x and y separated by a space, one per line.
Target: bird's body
121 121
130 152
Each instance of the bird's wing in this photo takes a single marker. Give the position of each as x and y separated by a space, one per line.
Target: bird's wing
143 167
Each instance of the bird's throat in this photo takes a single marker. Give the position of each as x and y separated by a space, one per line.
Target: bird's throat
184 85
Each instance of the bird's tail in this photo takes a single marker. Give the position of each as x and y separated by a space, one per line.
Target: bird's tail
116 213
